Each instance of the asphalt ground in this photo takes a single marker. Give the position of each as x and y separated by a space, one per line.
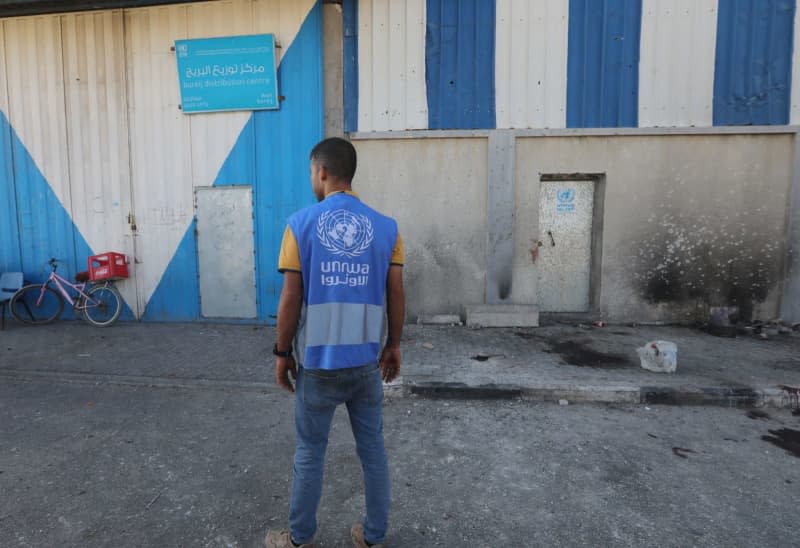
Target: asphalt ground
129 465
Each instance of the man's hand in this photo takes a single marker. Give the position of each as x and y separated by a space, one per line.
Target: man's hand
283 367
288 317
390 363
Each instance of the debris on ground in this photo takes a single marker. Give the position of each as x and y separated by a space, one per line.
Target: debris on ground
765 330
725 321
757 414
563 402
792 394
722 321
486 357
659 356
427 345
682 452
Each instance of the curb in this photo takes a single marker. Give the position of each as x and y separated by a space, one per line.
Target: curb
781 397
720 396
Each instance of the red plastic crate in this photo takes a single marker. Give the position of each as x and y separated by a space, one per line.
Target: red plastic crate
108 266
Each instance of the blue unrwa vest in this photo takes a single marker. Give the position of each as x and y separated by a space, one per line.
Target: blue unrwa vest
345 252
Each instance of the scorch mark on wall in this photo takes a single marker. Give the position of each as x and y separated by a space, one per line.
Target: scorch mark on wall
711 261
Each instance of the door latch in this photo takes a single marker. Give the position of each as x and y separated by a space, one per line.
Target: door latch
552 240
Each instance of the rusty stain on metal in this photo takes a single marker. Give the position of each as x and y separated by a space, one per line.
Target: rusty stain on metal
534 250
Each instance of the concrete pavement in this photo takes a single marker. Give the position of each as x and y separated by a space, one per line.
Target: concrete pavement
550 363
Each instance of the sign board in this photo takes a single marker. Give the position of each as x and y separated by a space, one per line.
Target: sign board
230 73
566 200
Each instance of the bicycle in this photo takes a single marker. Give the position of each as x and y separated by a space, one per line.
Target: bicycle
39 304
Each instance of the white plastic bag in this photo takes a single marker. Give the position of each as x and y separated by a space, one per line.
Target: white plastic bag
659 356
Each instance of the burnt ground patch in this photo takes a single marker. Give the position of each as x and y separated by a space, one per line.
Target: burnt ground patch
575 352
785 438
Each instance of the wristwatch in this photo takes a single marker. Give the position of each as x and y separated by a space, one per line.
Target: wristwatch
280 354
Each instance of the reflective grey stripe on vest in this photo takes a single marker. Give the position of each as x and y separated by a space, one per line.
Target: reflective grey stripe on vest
343 323
299 342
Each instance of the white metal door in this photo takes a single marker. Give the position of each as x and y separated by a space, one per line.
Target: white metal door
225 249
565 256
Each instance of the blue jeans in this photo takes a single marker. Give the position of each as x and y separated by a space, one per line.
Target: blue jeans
318 392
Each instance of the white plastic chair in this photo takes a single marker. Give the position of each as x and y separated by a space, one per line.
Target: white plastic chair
10 282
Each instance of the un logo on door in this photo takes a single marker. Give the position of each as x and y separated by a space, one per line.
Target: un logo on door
566 195
344 233
566 200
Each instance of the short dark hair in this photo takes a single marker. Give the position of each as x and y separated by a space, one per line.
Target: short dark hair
337 155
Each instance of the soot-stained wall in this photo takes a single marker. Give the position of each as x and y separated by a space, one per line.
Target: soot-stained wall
689 221
436 189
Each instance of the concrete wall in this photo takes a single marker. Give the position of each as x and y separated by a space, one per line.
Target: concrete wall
436 189
332 51
687 221
790 309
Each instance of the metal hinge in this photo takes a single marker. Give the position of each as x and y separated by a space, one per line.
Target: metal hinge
132 221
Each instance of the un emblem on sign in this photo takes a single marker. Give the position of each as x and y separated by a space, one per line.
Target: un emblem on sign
566 195
344 233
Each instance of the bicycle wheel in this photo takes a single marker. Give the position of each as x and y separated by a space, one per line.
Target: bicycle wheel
103 306
36 304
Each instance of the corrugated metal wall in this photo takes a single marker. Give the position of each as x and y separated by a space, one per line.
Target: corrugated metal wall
459 63
795 113
97 132
273 150
200 145
531 64
160 147
752 74
9 235
677 62
350 64
94 132
573 63
35 137
603 63
391 65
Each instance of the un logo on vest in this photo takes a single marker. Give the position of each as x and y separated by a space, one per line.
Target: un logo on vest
344 233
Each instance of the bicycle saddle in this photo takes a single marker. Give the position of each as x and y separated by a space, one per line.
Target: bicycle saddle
82 276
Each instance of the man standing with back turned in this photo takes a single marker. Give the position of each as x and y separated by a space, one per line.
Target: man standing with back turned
342 264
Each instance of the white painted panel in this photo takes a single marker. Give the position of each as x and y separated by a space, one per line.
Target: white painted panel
235 17
676 70
225 249
97 129
565 228
795 112
35 107
160 141
213 134
391 65
3 81
282 18
531 63
171 152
